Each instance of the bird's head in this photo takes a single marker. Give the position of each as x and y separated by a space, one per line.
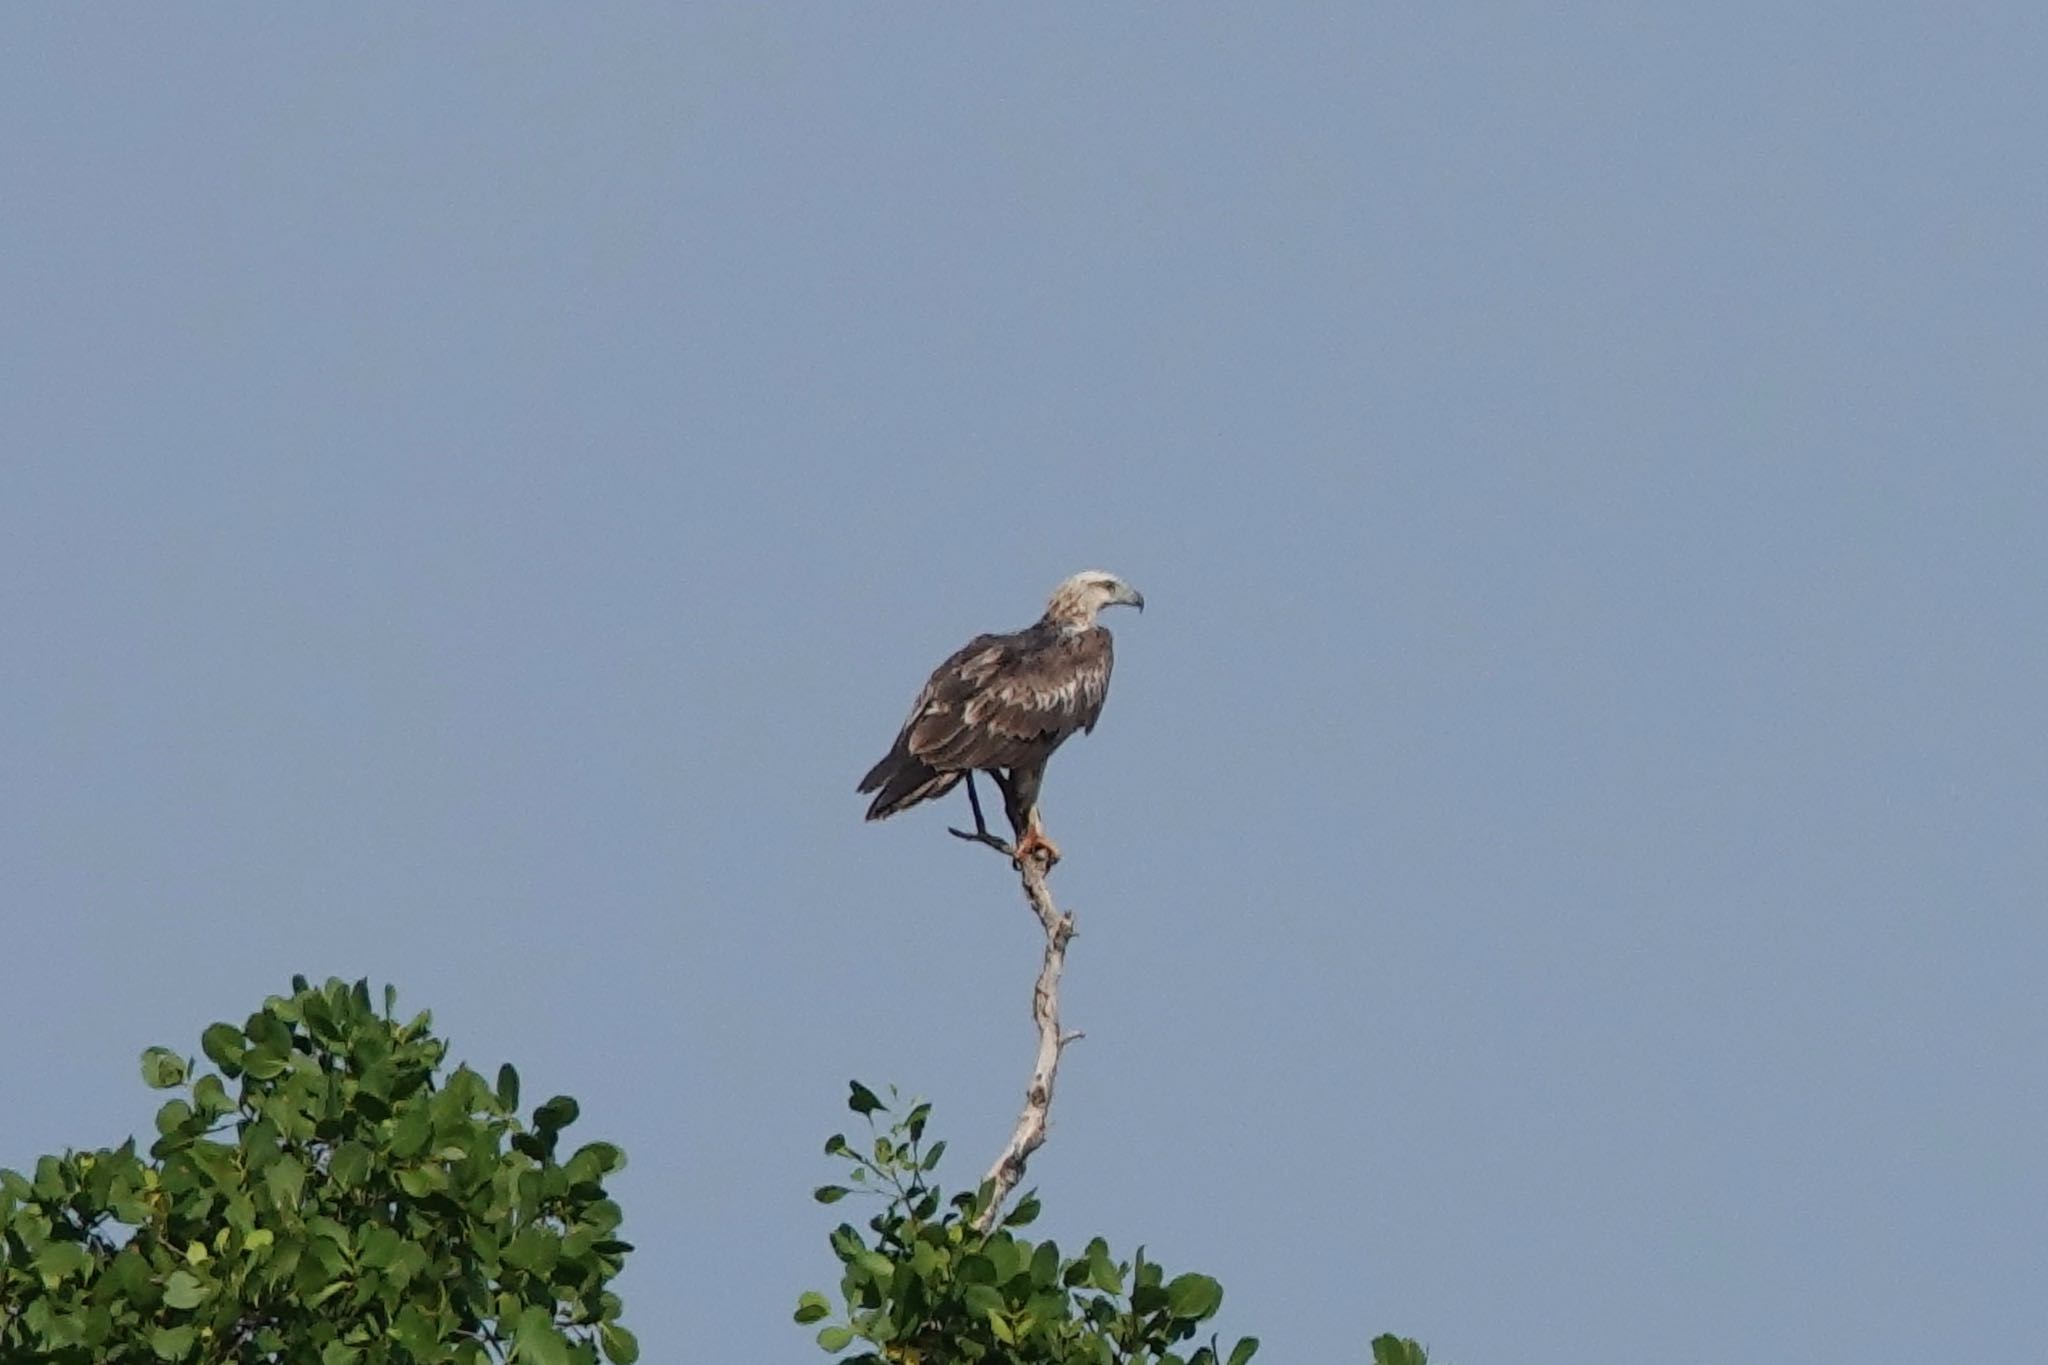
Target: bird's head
1076 601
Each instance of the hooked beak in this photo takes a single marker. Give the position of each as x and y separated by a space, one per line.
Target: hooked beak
1130 597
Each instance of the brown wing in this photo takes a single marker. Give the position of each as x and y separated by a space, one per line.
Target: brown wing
1001 701
1014 700
902 778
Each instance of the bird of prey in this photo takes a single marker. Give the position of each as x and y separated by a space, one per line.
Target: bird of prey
1002 704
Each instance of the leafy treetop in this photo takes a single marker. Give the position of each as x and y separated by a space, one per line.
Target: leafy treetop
329 1197
925 1286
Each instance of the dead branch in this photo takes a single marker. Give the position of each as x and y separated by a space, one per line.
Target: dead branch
1029 1134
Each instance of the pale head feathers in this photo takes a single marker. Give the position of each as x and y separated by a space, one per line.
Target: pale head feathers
1075 602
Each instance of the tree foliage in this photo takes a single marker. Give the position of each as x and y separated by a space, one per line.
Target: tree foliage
923 1286
329 1196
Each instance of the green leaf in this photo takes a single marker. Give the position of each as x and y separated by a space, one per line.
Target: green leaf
875 1266
377 1246
984 1300
508 1088
413 1130
223 1044
340 1353
130 1273
535 1250
1007 1255
52 1328
265 1064
162 1068
174 1115
210 1097
421 1181
350 1165
59 1261
811 1306
594 1160
835 1338
408 1264
1194 1296
620 1346
319 1019
267 1028
1246 1348
1393 1350
184 1290
1025 1212
931 1158
325 1293
536 1339
286 1180
829 1194
328 1230
1045 1265
415 1331
171 1343
557 1114
864 1101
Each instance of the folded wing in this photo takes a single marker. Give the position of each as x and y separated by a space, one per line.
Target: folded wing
1001 701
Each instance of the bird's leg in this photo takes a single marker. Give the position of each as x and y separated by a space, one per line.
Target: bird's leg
974 800
1013 800
980 834
1020 803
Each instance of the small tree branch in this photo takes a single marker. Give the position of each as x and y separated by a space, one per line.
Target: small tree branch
1029 1134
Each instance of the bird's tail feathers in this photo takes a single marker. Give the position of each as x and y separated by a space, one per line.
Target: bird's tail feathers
879 774
900 782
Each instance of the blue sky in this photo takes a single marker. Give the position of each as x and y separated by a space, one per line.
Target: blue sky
1561 870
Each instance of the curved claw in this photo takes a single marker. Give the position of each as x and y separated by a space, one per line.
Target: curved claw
1034 843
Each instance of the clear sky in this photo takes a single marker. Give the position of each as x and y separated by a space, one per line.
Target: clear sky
1561 871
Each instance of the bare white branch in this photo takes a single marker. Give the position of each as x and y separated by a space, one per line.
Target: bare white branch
1029 1134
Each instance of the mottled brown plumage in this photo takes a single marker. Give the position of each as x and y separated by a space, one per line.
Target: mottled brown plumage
1002 704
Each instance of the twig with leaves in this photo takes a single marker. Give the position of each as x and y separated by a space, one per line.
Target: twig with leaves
1029 1134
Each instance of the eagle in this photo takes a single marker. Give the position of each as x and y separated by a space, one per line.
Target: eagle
1002 704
